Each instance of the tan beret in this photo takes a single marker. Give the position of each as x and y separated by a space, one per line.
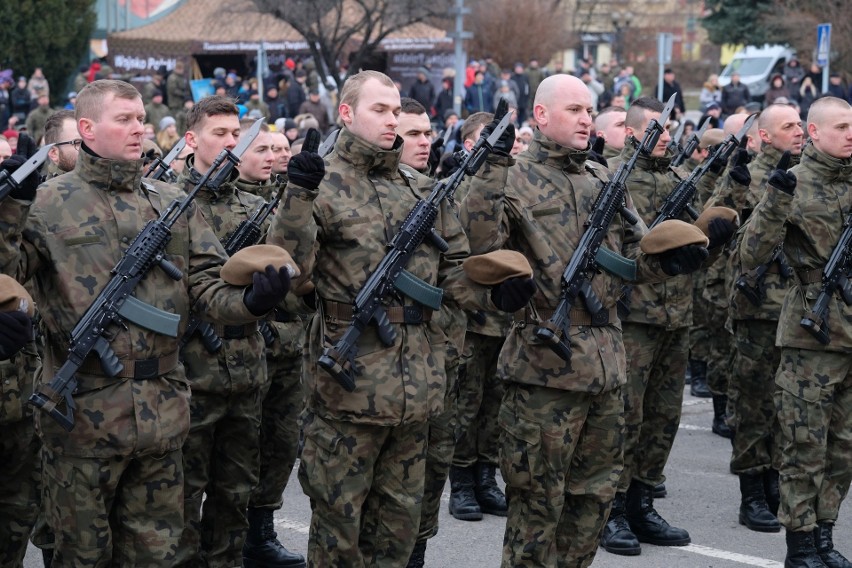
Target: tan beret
672 234
711 137
495 267
148 145
14 297
239 269
703 221
304 288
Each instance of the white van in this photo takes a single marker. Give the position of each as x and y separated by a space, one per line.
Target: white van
756 65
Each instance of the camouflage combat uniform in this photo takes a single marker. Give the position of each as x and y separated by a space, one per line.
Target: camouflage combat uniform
222 452
813 381
20 498
655 338
114 484
363 462
562 422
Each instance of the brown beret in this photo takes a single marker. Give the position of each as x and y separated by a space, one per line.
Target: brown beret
14 297
239 269
711 137
495 267
670 235
703 221
304 288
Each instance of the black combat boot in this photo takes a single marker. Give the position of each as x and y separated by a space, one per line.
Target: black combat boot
801 551
646 523
262 549
720 427
463 504
418 555
660 491
47 556
754 512
772 489
617 537
825 547
491 499
698 386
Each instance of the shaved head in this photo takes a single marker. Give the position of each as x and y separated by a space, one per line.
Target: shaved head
780 127
735 122
562 111
824 107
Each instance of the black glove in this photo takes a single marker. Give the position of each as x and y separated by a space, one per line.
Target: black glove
268 288
513 294
306 169
718 166
721 230
683 260
739 172
596 152
26 190
16 330
504 144
27 147
435 152
781 178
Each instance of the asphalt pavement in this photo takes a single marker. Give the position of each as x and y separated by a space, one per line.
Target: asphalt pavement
703 497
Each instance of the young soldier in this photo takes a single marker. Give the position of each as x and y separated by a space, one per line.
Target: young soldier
113 485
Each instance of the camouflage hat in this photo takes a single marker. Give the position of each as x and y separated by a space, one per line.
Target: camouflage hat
703 221
495 267
238 270
14 297
711 137
672 234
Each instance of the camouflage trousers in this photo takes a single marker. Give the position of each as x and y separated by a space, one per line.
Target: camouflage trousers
561 458
439 456
480 394
119 511
365 484
653 399
279 430
20 499
756 440
720 352
814 405
700 331
222 460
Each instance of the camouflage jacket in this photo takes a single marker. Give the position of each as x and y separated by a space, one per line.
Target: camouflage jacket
744 200
810 224
538 207
669 303
338 234
16 384
177 91
75 234
240 365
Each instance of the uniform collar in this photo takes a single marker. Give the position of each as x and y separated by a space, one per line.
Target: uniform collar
643 162
366 157
548 152
829 168
190 177
769 156
112 175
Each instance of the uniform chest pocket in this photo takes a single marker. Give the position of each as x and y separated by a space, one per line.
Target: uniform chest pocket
357 227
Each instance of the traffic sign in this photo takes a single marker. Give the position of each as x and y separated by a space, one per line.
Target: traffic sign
823 44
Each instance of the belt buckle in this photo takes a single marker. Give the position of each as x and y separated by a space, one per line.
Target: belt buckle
412 314
601 318
147 369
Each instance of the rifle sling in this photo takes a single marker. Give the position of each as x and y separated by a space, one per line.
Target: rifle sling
338 312
134 368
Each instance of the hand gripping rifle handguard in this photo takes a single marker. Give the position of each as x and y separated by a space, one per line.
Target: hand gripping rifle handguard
115 304
391 275
8 181
835 277
578 274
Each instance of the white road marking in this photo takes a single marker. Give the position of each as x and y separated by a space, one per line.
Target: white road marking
694 427
294 526
732 556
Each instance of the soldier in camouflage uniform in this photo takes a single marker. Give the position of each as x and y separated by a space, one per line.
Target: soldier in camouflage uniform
474 489
283 401
61 130
656 343
756 451
113 485
222 452
562 422
806 208
363 462
609 124
177 87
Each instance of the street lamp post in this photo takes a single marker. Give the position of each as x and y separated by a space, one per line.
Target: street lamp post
620 21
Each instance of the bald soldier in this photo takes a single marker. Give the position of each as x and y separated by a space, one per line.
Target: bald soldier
805 209
609 124
562 424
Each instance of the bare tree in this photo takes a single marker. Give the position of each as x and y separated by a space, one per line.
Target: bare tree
353 29
510 31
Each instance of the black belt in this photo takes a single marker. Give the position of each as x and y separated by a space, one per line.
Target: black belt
235 331
282 316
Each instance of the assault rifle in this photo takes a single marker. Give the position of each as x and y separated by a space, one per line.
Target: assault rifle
115 304
691 144
161 167
247 233
680 199
835 277
674 144
390 274
8 181
578 274
757 294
